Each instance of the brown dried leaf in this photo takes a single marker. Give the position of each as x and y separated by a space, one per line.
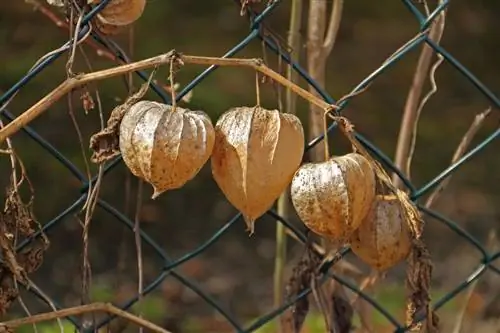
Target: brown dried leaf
333 197
255 155
106 143
7 296
17 216
87 100
342 311
418 281
164 145
301 278
32 258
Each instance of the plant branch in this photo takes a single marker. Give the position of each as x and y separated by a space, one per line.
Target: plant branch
283 205
333 26
79 80
407 132
94 307
100 51
459 152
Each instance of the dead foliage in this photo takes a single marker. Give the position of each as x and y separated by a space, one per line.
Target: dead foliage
303 273
342 311
17 222
418 281
106 143
334 304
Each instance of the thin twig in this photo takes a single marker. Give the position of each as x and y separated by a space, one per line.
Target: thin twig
138 244
94 307
100 51
459 152
79 80
492 239
407 132
284 208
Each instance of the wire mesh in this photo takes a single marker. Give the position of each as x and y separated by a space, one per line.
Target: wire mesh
256 33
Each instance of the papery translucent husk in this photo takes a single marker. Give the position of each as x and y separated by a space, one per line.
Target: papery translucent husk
163 146
120 12
334 196
255 155
383 238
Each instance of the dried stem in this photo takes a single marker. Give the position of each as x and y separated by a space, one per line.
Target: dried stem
492 240
79 80
321 36
138 244
413 106
459 152
77 310
283 205
100 51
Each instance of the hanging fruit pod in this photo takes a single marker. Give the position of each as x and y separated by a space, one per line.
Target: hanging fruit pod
334 196
383 239
255 155
117 14
165 146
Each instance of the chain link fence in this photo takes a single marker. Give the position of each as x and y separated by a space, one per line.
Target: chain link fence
258 33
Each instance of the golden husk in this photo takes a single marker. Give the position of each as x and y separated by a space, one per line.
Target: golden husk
255 155
120 12
334 196
163 146
383 238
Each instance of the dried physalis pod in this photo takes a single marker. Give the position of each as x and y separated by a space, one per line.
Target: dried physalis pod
334 196
256 153
383 239
163 145
118 13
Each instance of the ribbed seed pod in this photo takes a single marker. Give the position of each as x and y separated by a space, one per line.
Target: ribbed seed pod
118 13
163 146
334 196
256 153
383 239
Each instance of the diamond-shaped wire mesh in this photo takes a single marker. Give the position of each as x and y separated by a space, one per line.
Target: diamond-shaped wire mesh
256 33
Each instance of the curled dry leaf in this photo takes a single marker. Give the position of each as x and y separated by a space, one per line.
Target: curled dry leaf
256 153
383 239
342 311
333 197
302 276
163 145
118 13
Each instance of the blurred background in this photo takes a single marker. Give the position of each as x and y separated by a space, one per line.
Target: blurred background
238 269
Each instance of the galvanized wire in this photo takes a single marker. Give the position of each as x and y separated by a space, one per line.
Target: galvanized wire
256 33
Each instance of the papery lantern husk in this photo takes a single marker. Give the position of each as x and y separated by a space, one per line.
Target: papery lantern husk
383 239
165 146
333 197
117 14
255 155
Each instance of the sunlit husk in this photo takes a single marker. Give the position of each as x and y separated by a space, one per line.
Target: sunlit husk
163 146
383 238
334 196
256 153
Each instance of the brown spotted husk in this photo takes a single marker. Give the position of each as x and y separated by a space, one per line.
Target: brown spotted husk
383 238
334 196
255 155
165 146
